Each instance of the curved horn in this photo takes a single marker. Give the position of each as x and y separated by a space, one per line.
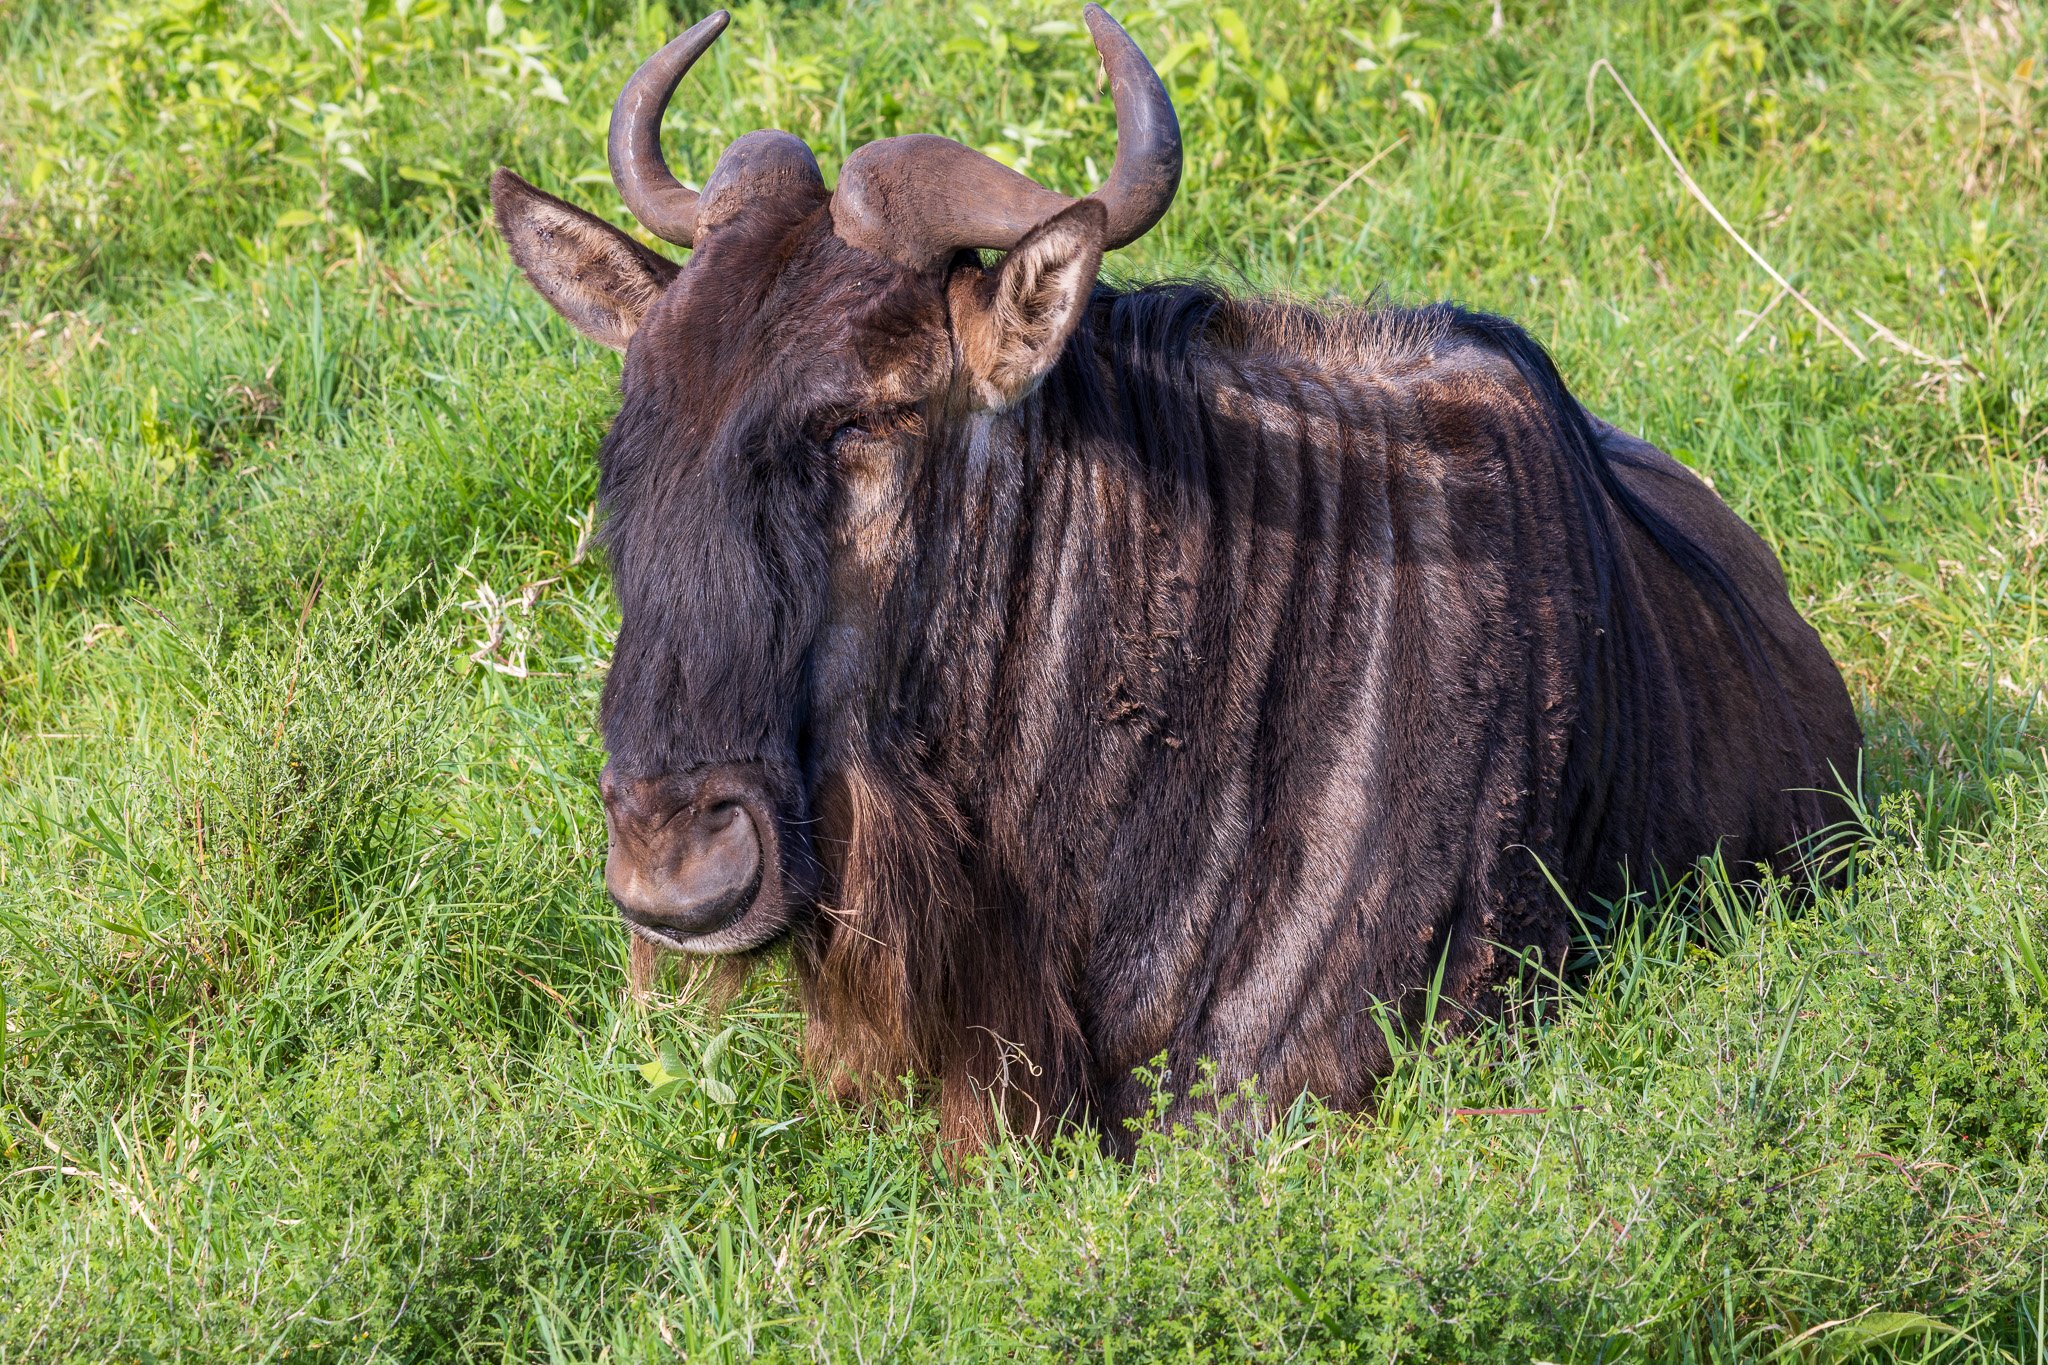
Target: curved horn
664 205
920 198
1142 182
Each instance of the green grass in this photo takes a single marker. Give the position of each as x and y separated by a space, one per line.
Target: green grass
315 1042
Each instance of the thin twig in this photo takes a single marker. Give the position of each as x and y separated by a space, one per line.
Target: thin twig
1776 299
1692 187
1899 343
1348 181
71 1165
559 998
297 32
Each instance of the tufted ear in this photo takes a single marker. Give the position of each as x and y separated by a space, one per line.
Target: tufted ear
596 276
1012 322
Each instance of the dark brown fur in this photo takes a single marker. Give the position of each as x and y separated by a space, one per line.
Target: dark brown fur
1250 675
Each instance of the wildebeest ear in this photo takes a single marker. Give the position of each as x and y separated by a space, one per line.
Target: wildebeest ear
1013 321
596 276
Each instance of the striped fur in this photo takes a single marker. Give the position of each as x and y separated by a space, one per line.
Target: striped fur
1246 681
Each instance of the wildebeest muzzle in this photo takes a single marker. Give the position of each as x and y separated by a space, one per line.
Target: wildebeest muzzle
694 863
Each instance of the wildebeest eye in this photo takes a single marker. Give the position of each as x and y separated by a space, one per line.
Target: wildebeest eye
845 429
846 433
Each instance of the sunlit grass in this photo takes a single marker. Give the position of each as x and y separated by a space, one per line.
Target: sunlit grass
315 1037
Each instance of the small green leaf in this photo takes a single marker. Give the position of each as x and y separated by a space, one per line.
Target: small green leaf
715 1049
1876 1329
1231 25
297 218
1180 53
663 1070
1841 1340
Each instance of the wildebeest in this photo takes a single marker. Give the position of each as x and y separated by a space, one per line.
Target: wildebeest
1074 674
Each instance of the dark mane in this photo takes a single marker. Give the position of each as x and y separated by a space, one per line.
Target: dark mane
1149 338
1148 342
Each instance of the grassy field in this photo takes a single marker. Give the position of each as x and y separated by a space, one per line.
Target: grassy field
315 1044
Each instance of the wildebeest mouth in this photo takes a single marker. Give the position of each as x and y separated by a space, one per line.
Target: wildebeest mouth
746 926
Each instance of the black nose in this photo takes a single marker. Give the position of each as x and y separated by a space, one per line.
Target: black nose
685 857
